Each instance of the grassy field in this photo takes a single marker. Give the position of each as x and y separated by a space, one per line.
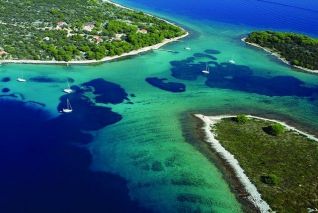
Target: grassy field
284 168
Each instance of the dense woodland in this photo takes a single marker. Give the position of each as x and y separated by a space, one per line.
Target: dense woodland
299 50
66 30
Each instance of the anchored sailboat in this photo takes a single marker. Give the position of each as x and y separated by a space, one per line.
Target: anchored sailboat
232 61
68 108
207 70
21 79
68 89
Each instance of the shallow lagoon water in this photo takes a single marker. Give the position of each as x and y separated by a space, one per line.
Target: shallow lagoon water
141 158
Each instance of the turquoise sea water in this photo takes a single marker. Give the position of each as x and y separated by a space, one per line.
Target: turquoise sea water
123 149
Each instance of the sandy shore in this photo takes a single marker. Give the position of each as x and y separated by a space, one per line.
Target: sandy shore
288 127
278 56
108 58
253 195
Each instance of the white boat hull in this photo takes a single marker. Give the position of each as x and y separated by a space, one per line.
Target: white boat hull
21 80
67 110
68 91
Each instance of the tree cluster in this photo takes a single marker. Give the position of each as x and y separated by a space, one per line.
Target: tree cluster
55 30
299 50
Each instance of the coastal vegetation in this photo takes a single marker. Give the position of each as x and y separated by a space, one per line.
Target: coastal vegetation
242 119
299 50
282 163
274 129
65 30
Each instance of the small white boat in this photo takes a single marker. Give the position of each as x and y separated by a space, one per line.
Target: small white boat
68 90
68 108
21 79
232 61
207 70
187 48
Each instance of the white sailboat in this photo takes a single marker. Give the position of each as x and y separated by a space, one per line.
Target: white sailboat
232 61
207 70
187 48
68 108
21 79
68 89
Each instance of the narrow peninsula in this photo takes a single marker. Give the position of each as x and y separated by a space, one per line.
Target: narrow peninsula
78 31
275 163
298 50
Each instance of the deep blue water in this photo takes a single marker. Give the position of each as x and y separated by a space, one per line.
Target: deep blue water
289 15
43 167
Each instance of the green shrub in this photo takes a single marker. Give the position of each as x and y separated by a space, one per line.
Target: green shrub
242 119
269 179
275 129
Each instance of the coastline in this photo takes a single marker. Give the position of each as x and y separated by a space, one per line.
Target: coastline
278 56
231 166
124 7
107 58
252 193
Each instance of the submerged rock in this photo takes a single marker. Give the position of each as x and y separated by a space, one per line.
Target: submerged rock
167 86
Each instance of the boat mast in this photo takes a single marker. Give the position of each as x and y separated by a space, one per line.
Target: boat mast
69 104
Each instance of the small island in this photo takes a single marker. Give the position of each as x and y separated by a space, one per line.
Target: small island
37 31
298 50
275 163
